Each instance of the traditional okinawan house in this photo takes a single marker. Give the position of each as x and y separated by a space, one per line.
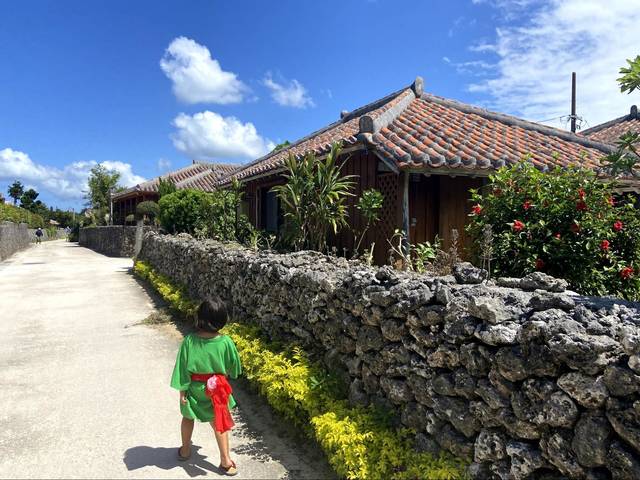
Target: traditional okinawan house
199 176
424 153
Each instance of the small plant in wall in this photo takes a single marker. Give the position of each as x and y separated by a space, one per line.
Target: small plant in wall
369 204
413 257
314 199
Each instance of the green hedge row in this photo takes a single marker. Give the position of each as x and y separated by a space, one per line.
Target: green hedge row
11 213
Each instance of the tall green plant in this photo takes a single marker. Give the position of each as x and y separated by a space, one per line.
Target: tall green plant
166 185
313 198
370 205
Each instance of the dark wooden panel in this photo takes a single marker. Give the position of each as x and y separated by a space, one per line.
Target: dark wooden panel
454 208
423 208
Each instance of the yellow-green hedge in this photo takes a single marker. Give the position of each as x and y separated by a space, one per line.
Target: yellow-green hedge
359 442
175 296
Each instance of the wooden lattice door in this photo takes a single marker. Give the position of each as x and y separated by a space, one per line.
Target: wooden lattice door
387 184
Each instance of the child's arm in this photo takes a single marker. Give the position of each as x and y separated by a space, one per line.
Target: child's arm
183 397
181 378
232 360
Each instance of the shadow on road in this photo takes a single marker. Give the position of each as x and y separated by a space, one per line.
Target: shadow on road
166 459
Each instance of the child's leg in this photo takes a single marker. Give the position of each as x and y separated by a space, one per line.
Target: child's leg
223 445
186 430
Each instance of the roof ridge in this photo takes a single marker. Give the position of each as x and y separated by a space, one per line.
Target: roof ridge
633 114
517 122
358 112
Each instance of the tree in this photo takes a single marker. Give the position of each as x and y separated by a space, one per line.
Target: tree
313 198
28 199
101 183
630 79
625 159
166 186
16 189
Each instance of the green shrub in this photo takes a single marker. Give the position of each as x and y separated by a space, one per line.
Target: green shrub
566 223
148 210
185 211
11 213
360 443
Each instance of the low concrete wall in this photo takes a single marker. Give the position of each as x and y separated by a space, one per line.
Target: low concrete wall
517 376
113 241
13 237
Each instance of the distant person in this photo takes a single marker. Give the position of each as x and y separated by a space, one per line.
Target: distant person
67 232
205 360
39 234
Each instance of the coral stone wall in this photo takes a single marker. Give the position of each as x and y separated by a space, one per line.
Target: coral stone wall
13 237
114 241
520 377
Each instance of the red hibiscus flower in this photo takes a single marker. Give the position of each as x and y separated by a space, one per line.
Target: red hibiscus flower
618 225
575 227
476 209
581 193
539 264
558 236
518 226
497 192
604 245
626 273
526 205
581 206
611 201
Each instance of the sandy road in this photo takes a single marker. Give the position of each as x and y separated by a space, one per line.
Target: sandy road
85 394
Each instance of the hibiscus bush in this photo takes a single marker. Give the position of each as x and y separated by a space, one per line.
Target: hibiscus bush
566 223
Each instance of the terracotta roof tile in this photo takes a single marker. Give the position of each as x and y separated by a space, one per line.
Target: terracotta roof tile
433 132
319 142
610 131
199 175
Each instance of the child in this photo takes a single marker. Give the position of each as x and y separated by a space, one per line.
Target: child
205 360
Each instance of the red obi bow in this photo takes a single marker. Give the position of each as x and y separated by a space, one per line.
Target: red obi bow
218 390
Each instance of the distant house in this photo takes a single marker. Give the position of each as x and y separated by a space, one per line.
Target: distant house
198 175
423 153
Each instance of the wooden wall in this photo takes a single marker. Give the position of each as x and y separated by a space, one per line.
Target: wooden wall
437 204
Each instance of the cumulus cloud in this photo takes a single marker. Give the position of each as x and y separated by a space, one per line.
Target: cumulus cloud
69 182
198 78
532 76
288 93
210 136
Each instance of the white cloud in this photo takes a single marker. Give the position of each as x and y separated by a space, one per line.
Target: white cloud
288 94
164 164
70 182
198 78
535 60
210 136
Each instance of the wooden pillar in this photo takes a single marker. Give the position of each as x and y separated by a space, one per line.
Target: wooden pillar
405 211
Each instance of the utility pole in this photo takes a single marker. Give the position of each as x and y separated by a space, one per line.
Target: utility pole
110 206
573 102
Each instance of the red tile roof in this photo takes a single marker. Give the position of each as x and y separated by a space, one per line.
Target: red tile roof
344 130
414 130
199 175
436 133
610 131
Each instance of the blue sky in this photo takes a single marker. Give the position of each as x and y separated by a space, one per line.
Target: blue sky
145 86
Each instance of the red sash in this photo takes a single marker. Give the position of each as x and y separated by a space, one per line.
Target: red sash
218 390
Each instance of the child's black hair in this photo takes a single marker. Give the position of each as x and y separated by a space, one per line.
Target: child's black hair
211 317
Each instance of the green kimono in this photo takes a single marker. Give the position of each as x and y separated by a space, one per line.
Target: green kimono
203 355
